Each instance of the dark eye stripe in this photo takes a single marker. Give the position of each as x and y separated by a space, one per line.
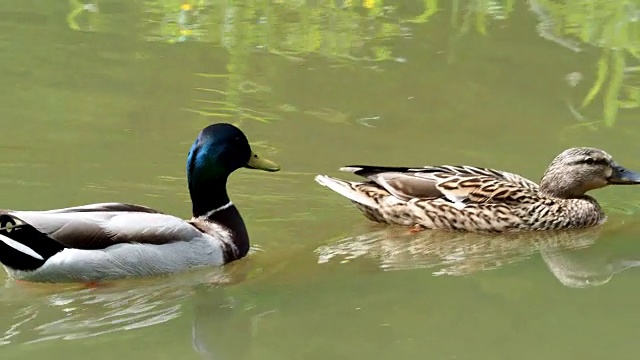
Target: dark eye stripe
592 161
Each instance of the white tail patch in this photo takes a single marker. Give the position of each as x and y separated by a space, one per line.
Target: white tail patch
20 247
350 169
344 188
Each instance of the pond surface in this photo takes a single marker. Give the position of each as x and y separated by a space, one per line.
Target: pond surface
102 100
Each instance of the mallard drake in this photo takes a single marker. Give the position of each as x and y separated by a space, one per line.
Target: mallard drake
471 198
116 240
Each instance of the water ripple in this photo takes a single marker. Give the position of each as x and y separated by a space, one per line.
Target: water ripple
45 312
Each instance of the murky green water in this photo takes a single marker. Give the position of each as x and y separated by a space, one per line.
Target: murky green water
101 103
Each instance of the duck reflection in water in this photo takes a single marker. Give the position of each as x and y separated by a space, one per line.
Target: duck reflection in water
570 255
222 325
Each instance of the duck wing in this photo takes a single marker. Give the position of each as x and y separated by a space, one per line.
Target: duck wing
98 226
101 207
458 184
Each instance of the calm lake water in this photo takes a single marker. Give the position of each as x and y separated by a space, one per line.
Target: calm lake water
101 102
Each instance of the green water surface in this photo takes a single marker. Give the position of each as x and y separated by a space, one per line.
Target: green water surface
102 100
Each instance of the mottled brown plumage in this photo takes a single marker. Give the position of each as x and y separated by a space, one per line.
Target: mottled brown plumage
480 199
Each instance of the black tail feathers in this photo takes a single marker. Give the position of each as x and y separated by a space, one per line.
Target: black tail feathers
23 247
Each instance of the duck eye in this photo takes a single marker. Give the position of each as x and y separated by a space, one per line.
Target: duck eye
589 161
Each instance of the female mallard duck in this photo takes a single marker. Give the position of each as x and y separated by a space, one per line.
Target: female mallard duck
479 199
114 240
